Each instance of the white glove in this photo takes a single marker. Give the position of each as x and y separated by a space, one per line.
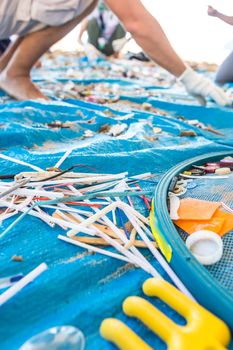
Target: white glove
91 52
201 87
118 44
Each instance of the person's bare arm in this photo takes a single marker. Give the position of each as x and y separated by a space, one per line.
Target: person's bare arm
214 13
83 28
148 33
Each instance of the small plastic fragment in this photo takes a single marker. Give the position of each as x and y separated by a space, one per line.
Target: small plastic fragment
174 207
227 162
223 171
190 133
17 258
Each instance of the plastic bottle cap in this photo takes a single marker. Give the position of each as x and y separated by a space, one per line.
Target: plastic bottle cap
206 246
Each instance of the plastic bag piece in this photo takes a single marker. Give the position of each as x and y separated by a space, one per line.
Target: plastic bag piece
220 223
196 209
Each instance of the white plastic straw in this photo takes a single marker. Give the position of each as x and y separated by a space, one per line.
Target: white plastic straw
87 180
7 216
136 253
141 176
14 187
17 161
137 260
63 158
99 214
213 177
133 249
94 249
29 192
93 218
9 293
98 187
159 257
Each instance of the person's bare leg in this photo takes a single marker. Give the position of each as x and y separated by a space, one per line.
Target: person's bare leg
15 78
7 55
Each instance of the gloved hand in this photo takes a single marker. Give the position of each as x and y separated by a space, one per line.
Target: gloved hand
118 44
91 52
201 87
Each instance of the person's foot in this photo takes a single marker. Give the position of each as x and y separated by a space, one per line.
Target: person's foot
20 87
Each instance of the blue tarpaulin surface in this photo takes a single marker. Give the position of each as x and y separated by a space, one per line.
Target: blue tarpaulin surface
79 288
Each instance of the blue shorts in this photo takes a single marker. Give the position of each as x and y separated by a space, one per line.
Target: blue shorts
4 45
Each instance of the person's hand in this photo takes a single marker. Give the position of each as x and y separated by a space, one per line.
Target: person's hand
212 12
201 88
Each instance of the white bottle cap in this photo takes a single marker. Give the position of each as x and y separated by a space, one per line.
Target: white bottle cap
206 246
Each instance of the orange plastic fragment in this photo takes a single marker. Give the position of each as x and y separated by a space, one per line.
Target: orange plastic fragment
228 221
191 226
196 209
220 223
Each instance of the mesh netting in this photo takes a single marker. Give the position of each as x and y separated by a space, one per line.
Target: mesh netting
217 190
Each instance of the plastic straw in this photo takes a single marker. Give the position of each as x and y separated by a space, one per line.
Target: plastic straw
9 281
14 160
159 257
9 293
14 187
94 249
63 158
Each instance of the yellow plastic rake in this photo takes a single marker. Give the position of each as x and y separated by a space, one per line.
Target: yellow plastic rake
203 330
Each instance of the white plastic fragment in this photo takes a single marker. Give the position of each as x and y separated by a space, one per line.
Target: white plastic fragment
117 129
206 246
174 206
223 171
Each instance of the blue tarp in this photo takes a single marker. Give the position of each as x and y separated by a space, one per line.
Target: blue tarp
79 288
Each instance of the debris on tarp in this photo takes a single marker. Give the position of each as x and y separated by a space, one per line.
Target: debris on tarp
115 118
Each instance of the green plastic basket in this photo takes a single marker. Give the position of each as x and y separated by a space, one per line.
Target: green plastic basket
207 290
